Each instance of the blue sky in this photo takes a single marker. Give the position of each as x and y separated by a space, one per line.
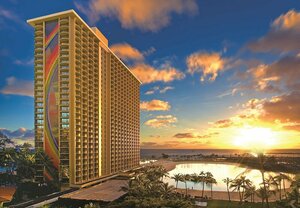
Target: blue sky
163 37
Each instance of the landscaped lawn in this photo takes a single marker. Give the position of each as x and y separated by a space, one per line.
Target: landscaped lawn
226 204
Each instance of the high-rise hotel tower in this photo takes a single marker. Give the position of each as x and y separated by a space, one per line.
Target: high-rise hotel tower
86 102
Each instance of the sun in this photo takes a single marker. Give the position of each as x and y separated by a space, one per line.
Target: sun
255 138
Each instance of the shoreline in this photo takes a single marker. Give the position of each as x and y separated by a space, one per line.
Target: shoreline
170 165
223 195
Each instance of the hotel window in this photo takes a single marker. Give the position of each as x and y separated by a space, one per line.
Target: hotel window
65 108
65 114
65 126
40 110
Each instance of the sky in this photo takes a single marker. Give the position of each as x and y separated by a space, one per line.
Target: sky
216 74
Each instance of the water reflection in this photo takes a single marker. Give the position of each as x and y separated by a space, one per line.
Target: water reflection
220 171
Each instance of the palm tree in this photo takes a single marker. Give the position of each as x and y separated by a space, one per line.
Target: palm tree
166 190
272 183
245 184
177 177
236 184
211 180
278 179
284 179
202 177
261 193
250 192
264 194
227 181
195 179
185 179
295 185
25 161
261 158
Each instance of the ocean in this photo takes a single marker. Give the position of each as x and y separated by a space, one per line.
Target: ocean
148 153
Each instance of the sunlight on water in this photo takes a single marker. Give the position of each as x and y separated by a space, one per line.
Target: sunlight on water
220 171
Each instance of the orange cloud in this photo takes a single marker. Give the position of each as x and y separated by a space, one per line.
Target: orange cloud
145 15
284 35
283 108
126 52
155 105
290 20
209 64
148 74
194 135
279 111
161 121
17 87
275 77
225 123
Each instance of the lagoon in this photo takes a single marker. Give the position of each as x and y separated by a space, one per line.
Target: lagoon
219 171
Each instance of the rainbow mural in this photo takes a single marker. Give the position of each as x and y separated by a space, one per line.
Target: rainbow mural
51 142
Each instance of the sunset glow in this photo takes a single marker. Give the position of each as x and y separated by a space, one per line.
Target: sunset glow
224 81
255 138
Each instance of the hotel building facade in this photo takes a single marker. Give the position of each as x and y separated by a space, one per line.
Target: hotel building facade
87 117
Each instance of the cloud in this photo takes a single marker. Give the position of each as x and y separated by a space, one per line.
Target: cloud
225 123
161 121
154 136
194 135
17 87
282 111
24 62
8 15
148 74
284 35
144 15
165 89
176 144
127 52
155 105
150 92
149 145
276 77
158 89
284 108
149 51
208 64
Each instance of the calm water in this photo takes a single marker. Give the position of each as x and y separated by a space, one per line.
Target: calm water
220 171
147 153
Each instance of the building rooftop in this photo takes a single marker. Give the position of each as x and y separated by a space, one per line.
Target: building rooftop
106 192
7 193
93 30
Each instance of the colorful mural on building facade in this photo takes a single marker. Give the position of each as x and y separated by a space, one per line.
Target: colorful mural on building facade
52 95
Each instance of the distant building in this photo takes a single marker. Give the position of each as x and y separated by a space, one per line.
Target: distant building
87 117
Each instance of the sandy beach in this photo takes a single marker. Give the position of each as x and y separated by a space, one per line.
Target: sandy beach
223 195
219 195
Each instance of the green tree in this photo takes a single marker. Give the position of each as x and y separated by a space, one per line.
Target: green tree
278 179
295 186
236 184
250 193
202 177
186 178
144 192
211 181
227 181
262 160
177 177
